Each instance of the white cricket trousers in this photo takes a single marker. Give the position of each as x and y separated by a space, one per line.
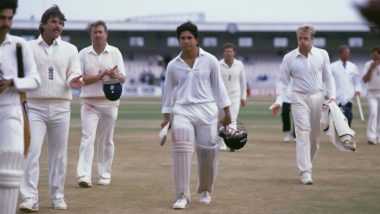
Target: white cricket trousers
195 126
373 127
11 156
98 122
51 118
307 111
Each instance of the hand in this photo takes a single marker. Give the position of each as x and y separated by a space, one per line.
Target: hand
77 82
4 84
357 93
274 108
165 120
243 103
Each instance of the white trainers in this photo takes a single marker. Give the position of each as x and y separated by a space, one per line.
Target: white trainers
28 205
205 198
350 144
222 146
181 203
306 178
59 204
84 182
287 137
104 181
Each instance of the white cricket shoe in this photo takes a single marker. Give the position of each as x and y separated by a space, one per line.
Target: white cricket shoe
287 137
222 146
350 144
306 178
28 205
104 181
181 203
84 182
205 198
59 204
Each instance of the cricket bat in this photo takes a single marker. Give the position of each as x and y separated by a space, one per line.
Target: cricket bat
21 74
360 108
164 133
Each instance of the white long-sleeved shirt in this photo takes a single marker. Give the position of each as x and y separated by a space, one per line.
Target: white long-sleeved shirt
200 84
347 81
374 82
91 63
308 73
8 67
57 65
234 79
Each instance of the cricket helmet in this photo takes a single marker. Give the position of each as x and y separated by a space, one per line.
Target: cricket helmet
234 138
112 89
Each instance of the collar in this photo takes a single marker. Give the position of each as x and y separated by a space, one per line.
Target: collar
225 64
311 52
56 42
106 50
7 40
201 53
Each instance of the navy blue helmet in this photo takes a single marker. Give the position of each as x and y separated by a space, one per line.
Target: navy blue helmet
112 89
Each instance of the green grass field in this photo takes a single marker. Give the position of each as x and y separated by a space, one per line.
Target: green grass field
260 178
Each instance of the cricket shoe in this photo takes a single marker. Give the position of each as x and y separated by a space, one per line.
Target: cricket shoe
205 198
181 203
28 205
306 178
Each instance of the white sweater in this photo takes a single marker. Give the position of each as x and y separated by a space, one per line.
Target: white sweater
57 65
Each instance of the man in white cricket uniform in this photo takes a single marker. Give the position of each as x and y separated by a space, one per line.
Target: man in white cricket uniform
11 116
233 75
49 110
372 79
98 114
193 79
347 81
309 67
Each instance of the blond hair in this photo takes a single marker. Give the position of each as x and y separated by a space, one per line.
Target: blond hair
306 29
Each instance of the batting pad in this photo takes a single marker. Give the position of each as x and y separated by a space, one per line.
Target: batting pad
11 171
182 152
207 167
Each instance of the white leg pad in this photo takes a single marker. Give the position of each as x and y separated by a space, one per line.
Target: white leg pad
207 167
182 151
11 171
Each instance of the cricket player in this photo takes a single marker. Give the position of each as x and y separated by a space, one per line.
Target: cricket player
98 62
11 113
372 79
233 75
193 79
49 110
309 68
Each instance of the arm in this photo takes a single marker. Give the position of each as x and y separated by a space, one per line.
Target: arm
368 69
328 78
119 73
281 86
243 86
73 73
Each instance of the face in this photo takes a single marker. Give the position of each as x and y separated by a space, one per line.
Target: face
345 54
99 35
6 18
53 28
187 41
228 54
304 40
375 56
